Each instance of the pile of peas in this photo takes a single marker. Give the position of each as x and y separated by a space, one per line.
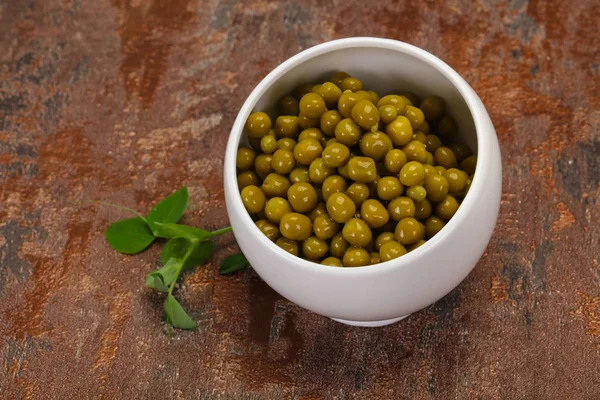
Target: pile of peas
347 178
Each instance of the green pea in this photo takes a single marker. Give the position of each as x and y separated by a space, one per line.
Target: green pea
362 169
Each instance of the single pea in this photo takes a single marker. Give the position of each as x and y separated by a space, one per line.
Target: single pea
446 208
430 170
338 77
437 187
331 93
320 209
343 170
306 122
312 105
416 245
275 185
338 246
312 133
433 225
356 257
432 143
351 84
414 100
262 165
461 150
468 164
335 155
301 90
288 106
417 193
467 186
415 116
375 145
295 226
447 129
412 173
258 124
318 171
395 160
340 207
420 136
457 180
393 100
375 259
374 97
422 209
299 174
400 131
247 178
314 248
331 141
332 262
391 250
307 150
286 126
358 192
425 128
415 151
357 232
315 88
346 102
333 184
253 199
429 160
387 113
286 144
329 120
433 108
445 157
245 158
441 170
268 144
347 132
389 187
374 213
283 161
401 207
277 207
288 245
362 169
269 229
302 197
408 231
383 238
365 114
324 227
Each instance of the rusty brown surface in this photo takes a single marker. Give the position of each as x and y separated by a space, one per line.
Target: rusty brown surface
126 100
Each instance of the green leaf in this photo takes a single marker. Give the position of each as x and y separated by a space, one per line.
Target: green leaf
176 315
170 209
234 263
160 279
175 231
129 236
178 248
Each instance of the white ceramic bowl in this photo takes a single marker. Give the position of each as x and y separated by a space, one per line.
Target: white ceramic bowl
384 293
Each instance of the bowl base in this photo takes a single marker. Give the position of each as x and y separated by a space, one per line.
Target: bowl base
370 324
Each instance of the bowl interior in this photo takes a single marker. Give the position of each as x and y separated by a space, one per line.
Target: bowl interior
383 70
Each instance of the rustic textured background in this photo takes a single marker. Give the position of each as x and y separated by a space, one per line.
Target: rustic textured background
125 101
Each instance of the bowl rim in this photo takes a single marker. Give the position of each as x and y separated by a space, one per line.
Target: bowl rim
478 113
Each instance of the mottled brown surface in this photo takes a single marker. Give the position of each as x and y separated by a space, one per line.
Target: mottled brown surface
126 100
